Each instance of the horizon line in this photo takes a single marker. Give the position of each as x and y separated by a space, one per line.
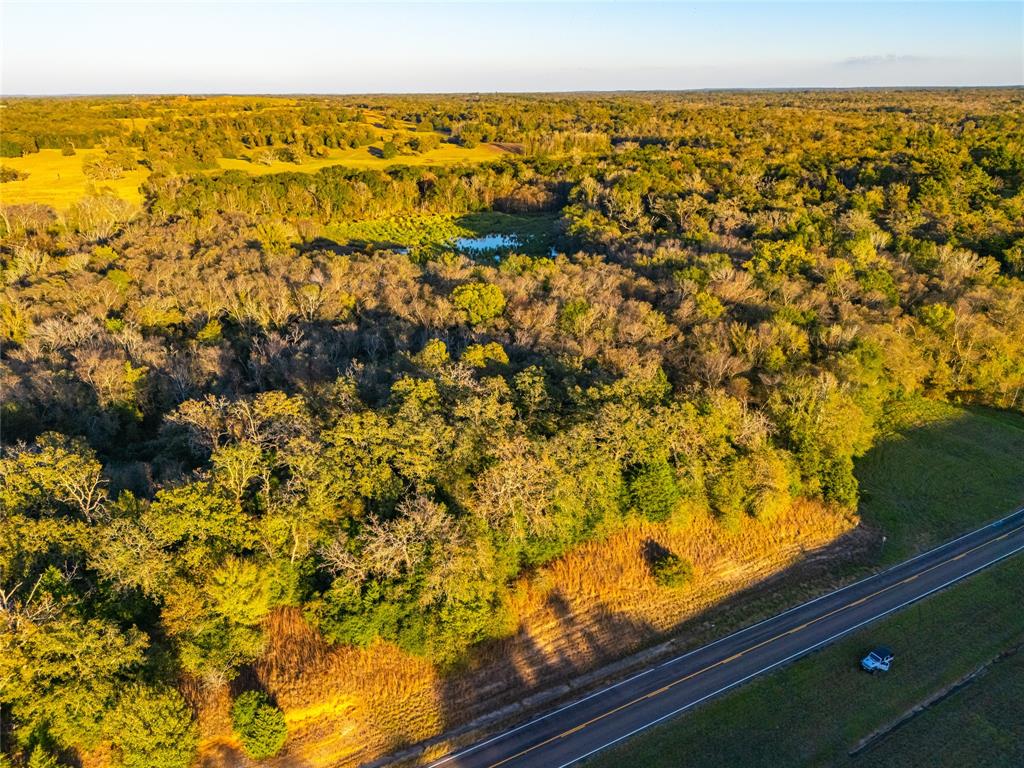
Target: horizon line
708 89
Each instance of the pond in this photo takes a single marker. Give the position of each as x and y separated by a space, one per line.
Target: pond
491 242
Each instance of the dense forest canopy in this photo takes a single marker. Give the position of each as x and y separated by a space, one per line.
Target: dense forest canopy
220 404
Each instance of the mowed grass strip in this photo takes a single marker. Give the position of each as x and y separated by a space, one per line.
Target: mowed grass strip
815 711
939 470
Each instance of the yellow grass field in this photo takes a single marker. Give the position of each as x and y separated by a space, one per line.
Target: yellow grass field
57 180
361 157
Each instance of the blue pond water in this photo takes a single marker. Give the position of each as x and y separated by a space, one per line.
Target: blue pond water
486 242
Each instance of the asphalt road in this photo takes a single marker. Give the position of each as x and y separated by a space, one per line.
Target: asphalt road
578 730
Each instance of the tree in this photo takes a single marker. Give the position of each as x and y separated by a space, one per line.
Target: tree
667 568
58 475
773 260
236 466
826 428
217 617
152 728
653 490
259 724
480 301
61 673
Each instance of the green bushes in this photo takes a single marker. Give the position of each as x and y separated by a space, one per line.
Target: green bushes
10 148
11 174
667 568
259 724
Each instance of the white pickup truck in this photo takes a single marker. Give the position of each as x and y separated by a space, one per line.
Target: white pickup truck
877 660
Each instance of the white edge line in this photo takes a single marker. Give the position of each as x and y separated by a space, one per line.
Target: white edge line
804 652
713 643
509 732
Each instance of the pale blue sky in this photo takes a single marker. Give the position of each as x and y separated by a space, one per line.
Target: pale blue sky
91 47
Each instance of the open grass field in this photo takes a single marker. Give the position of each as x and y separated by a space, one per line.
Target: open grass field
938 470
369 157
57 180
815 712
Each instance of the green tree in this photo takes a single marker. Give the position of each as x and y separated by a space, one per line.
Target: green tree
480 301
61 673
152 728
40 758
772 260
653 489
259 724
217 617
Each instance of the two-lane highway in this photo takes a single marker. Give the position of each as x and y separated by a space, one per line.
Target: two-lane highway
571 733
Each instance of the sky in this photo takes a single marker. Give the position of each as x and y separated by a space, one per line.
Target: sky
295 47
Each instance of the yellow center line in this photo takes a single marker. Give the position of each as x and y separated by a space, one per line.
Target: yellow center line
752 648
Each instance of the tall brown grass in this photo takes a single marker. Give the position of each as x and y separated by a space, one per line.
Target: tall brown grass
599 602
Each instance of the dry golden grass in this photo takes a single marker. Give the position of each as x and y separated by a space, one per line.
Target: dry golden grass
57 180
347 705
361 157
368 157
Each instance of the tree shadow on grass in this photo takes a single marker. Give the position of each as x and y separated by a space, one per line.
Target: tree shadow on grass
939 470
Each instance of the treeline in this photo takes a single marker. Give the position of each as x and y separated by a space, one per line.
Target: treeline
212 410
340 194
34 124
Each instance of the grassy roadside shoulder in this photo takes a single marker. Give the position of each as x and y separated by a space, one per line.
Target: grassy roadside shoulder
979 725
813 713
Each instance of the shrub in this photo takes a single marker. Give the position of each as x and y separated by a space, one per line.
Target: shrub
259 724
667 568
11 174
10 148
